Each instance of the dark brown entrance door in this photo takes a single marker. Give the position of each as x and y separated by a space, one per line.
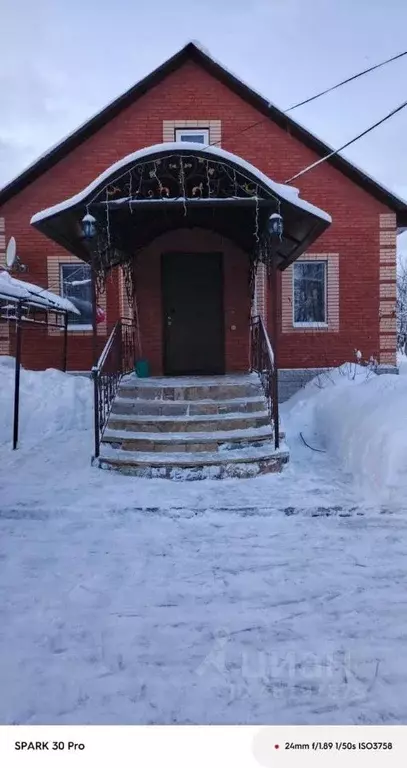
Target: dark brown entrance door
192 290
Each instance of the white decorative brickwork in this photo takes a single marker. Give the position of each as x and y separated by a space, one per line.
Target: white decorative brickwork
125 310
4 325
387 255
388 274
332 260
387 324
387 308
388 358
214 127
54 284
388 238
260 293
2 241
387 342
388 221
388 290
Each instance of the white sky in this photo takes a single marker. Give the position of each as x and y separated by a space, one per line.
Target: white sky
61 62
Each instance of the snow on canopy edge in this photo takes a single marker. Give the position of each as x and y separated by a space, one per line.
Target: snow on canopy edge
283 191
19 289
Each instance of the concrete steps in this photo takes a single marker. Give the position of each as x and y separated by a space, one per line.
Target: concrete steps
200 426
197 466
138 406
212 422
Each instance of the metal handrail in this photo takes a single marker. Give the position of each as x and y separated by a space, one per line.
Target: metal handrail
106 349
117 359
262 361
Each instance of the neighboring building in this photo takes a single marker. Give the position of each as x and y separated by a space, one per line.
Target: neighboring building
338 295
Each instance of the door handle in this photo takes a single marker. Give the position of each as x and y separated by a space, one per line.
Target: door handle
169 321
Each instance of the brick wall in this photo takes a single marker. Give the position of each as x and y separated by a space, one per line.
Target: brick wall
360 229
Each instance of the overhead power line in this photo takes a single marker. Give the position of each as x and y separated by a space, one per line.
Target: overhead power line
317 96
348 143
344 82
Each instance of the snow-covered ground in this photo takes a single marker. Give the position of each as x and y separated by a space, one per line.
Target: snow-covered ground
280 599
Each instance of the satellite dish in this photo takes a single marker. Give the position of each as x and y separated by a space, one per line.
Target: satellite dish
11 253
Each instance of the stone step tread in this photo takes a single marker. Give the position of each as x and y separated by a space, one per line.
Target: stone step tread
267 451
211 417
163 382
217 401
127 435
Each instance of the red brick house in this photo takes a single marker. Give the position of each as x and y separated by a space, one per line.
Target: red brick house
335 288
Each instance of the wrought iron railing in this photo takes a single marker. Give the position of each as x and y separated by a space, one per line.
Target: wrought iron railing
116 360
262 361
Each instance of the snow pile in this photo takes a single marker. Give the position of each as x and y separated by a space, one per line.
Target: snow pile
361 420
358 418
51 402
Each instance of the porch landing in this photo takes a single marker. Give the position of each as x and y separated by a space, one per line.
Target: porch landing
191 428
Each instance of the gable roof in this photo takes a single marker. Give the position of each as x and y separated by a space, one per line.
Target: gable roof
192 52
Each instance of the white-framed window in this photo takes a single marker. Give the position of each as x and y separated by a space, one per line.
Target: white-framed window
75 281
196 135
310 293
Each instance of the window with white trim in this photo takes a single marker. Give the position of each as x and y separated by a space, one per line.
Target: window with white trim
196 135
309 293
75 281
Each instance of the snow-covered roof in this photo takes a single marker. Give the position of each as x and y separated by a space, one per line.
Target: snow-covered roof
282 191
19 290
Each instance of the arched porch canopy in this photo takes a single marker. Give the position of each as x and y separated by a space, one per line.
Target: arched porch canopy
173 185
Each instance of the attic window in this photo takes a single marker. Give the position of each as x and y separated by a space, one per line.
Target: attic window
195 135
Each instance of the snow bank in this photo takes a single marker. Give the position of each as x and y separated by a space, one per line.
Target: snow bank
358 418
361 420
51 402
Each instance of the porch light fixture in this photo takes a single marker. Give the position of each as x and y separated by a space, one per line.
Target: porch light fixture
275 225
88 226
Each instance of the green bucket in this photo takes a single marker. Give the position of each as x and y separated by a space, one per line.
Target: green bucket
142 369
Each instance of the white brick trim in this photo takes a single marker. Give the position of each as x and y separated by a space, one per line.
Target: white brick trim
2 241
387 255
388 273
388 324
388 288
387 309
214 127
4 325
387 342
387 221
260 293
332 325
54 284
125 310
388 358
388 238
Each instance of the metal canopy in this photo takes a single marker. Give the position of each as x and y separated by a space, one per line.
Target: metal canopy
172 186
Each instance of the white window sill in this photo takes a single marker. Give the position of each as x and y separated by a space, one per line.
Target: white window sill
323 326
80 328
